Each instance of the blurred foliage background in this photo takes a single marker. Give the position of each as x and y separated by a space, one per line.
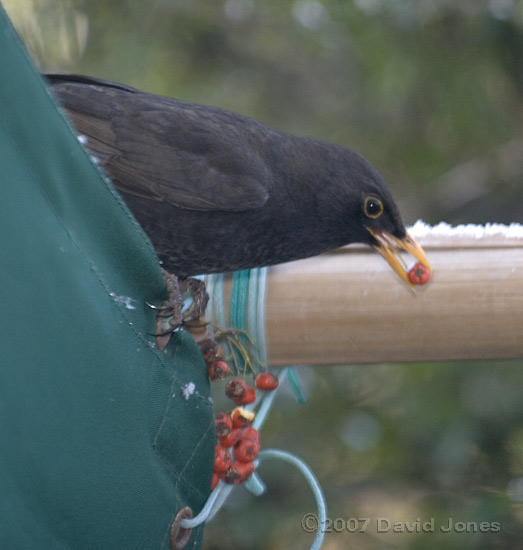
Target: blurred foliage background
431 92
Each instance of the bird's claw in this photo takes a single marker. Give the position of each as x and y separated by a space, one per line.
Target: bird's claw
171 316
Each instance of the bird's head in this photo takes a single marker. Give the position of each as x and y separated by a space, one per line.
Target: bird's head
373 218
384 229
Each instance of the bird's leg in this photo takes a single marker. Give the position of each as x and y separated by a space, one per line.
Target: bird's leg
170 314
200 299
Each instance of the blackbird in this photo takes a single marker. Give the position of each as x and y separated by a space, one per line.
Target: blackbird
216 191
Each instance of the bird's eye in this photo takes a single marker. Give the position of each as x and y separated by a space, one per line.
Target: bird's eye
373 207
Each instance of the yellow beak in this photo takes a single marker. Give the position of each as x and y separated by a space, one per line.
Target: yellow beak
388 246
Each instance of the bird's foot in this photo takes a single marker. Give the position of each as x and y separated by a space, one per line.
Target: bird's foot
171 316
170 313
200 298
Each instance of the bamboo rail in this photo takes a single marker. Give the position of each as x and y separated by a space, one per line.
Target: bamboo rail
348 306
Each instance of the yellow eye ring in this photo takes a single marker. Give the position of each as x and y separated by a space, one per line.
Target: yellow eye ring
373 207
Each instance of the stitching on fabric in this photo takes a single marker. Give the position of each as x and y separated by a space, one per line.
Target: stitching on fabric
156 446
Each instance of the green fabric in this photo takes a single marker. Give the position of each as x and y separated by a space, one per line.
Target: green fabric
103 438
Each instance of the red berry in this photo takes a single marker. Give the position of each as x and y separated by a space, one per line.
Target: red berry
218 370
238 472
266 381
246 450
235 389
248 397
210 350
242 418
222 459
419 274
222 424
230 439
250 433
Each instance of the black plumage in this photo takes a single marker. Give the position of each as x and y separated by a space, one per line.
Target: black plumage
216 191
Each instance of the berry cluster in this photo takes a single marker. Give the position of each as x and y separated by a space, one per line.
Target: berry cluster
238 446
238 443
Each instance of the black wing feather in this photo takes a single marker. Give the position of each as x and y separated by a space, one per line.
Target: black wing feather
161 149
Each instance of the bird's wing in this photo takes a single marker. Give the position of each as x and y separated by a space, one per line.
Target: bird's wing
191 156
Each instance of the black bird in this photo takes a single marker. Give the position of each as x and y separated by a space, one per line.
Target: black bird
216 191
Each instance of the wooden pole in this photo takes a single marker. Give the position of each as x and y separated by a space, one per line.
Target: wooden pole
350 307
